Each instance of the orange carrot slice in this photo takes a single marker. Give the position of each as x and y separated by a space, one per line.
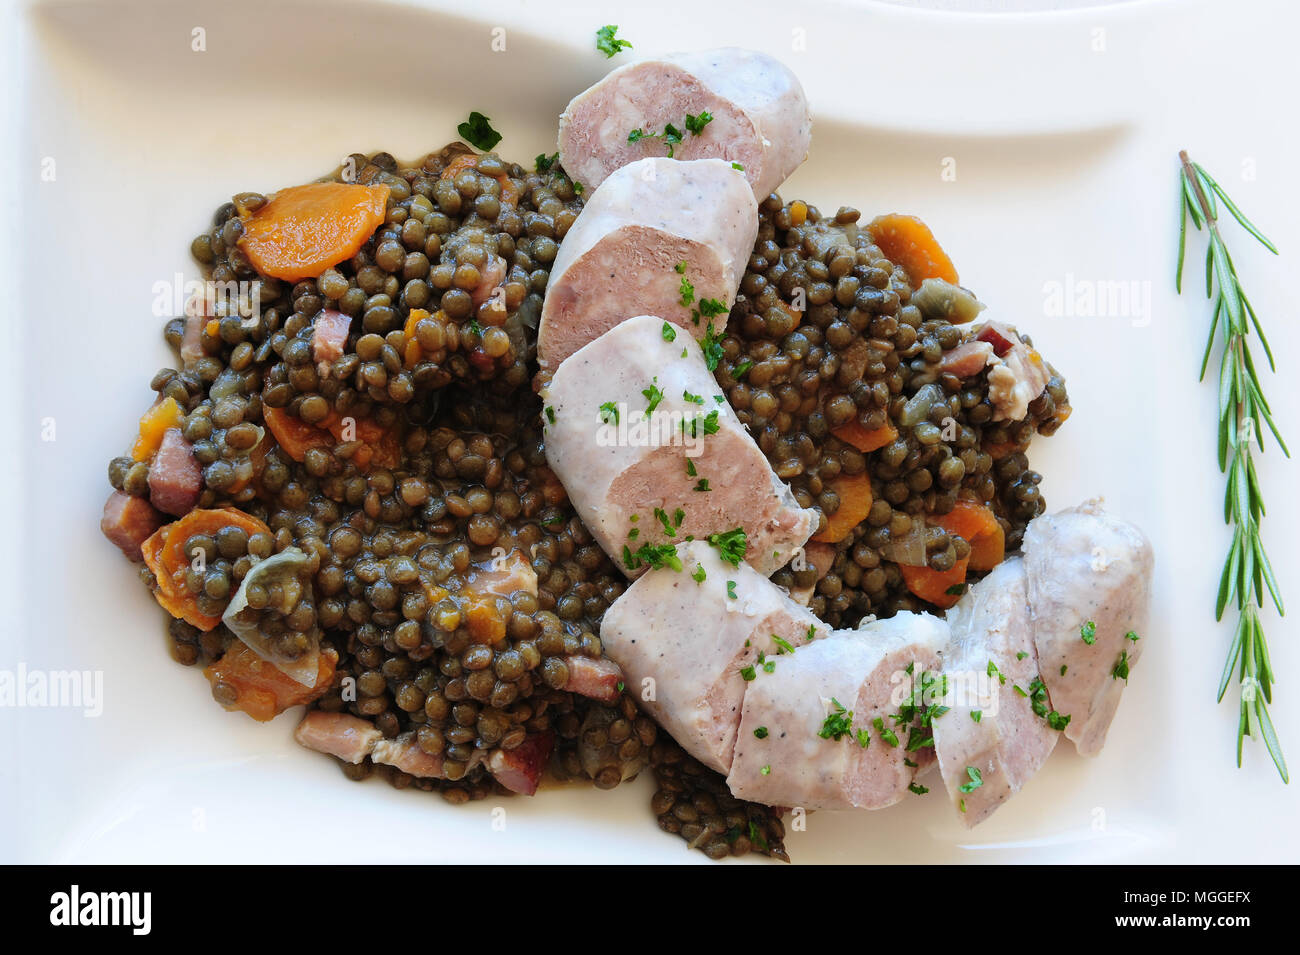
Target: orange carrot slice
154 423
941 588
262 691
303 230
855 503
164 554
862 439
296 436
908 242
979 527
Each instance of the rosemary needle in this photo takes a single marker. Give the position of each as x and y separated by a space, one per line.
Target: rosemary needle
1242 405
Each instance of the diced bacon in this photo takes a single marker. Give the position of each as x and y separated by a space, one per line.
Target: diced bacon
404 753
594 678
348 737
129 521
967 359
520 769
329 335
1001 337
493 274
175 479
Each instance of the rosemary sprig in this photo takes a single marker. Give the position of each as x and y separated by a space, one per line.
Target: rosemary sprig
1247 571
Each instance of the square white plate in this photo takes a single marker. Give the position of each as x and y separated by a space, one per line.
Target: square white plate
1040 148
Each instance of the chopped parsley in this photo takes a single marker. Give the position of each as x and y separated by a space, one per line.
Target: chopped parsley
620 686
608 43
544 162
711 308
731 589
686 292
976 715
782 646
474 328
765 771
712 347
670 335
710 422
760 733
1120 670
690 468
631 535
693 399
478 131
885 732
748 674
838 722
695 124
702 485
1088 633
731 545
609 413
993 670
652 396
863 738
742 368
736 165
956 590
653 555
1131 635
812 630
550 414
1021 655
918 788
976 781
662 516
699 574
1064 667
680 267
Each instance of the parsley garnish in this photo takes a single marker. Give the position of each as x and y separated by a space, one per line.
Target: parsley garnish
662 517
748 674
693 399
655 555
1088 633
736 165
653 396
669 334
838 722
1132 636
712 347
765 771
702 485
608 43
686 291
731 589
782 646
544 162
699 574
976 715
976 781
1120 671
918 788
609 413
690 468
742 368
885 732
993 669
695 124
731 545
550 414
478 131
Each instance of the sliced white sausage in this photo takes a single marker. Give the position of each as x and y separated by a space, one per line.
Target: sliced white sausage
348 737
659 237
809 734
760 116
994 688
690 649
1089 596
689 468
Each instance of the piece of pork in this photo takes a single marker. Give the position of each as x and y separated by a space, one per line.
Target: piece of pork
128 522
622 254
175 478
404 753
991 668
626 470
348 737
695 643
1089 597
1017 373
520 769
760 117
787 750
329 335
595 677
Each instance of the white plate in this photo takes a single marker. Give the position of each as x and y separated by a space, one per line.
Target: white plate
1063 129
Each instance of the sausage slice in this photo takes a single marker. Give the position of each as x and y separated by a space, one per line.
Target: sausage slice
659 237
760 117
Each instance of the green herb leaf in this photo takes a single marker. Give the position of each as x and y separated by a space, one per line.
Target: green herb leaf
608 43
478 131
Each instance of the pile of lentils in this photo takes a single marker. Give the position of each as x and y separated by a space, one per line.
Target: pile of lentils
471 478
861 351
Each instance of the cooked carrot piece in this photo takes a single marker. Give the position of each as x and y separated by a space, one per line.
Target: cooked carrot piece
154 423
303 230
458 165
164 554
296 436
941 588
979 527
855 502
907 241
863 439
258 688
